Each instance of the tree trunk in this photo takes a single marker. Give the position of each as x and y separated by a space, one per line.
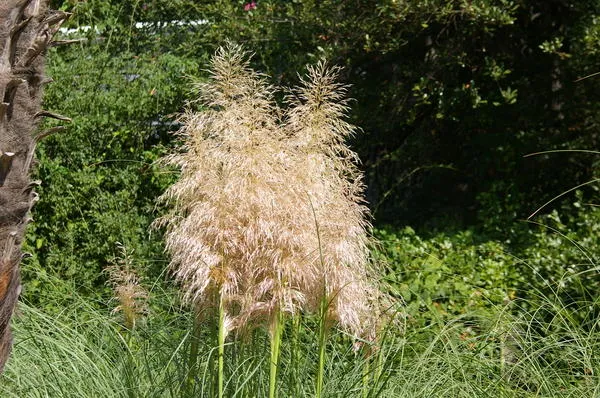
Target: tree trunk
26 30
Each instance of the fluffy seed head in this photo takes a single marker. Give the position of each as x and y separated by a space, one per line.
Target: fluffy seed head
132 297
267 214
317 127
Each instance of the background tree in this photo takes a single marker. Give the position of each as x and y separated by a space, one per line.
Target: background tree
26 30
451 94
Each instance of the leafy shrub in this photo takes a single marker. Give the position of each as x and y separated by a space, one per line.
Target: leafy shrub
99 182
451 274
445 276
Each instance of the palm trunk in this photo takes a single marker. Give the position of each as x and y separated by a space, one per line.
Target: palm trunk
26 30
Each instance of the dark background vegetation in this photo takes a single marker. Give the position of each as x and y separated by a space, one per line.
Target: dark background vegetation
450 96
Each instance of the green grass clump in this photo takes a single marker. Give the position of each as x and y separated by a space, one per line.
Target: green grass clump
82 351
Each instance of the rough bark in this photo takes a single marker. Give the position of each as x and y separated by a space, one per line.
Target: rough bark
26 31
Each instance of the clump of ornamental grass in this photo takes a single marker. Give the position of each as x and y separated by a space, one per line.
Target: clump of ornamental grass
334 214
130 294
230 230
267 218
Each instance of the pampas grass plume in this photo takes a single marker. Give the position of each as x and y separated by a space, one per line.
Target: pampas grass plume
267 215
128 291
336 225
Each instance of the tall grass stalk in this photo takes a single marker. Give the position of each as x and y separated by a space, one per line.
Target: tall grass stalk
294 385
276 336
221 346
194 347
366 380
322 345
127 289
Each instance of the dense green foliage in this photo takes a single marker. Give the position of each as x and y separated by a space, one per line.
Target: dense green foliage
100 180
449 275
451 94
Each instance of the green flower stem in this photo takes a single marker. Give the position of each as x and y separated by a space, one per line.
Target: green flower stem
275 350
193 358
366 375
322 344
221 344
295 356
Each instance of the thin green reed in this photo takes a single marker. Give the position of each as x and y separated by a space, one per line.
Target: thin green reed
322 345
322 311
276 334
194 347
221 345
366 375
295 356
